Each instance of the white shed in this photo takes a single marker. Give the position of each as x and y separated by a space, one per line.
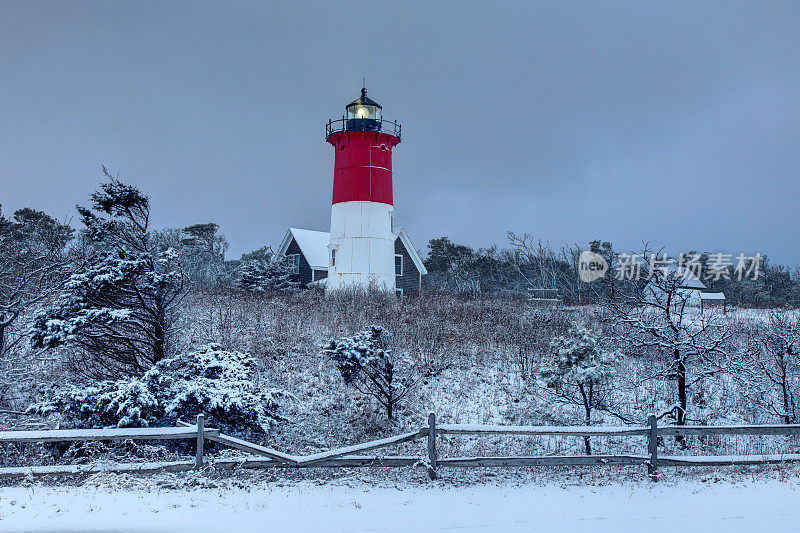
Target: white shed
689 285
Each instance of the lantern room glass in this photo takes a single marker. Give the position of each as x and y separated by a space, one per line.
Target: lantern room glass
360 111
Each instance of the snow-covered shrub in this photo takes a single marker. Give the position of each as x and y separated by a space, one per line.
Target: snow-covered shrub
366 363
123 403
221 384
578 371
218 383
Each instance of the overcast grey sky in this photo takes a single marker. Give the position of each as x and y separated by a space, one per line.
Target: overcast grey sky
672 122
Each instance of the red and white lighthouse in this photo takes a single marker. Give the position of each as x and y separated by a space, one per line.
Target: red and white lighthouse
361 249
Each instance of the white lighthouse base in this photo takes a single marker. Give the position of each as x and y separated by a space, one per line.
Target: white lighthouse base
363 244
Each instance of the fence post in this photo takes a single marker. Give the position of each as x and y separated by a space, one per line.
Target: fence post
432 445
652 447
198 462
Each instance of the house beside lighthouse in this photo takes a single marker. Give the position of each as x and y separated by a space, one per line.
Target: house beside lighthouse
364 248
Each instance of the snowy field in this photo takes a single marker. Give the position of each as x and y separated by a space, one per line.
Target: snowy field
353 505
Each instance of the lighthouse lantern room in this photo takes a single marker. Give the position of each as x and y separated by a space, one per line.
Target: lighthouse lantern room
361 249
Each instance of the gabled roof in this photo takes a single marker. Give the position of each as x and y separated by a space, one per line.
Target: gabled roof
687 278
401 234
313 244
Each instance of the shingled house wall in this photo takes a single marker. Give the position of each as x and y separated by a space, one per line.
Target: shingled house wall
305 269
410 280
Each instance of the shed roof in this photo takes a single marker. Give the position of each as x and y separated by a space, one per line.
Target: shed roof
688 279
712 296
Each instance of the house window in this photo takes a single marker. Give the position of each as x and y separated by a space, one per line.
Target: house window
398 265
294 263
333 257
398 292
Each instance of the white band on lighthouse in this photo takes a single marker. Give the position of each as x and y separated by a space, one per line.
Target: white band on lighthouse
361 235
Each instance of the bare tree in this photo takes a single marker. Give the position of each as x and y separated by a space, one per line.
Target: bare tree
33 264
775 353
660 316
542 268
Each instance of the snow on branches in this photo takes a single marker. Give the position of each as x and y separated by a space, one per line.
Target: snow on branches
33 265
365 362
579 371
576 359
118 309
266 273
221 384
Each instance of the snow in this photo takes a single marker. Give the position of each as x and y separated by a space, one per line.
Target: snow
354 505
314 245
543 430
689 279
712 296
220 383
372 445
58 435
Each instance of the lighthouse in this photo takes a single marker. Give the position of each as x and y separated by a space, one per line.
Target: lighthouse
362 241
365 249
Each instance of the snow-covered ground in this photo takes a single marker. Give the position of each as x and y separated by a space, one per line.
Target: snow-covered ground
721 505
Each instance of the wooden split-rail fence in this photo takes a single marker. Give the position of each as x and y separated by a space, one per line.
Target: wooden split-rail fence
264 457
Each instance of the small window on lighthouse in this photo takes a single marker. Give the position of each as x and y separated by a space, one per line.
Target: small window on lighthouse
333 257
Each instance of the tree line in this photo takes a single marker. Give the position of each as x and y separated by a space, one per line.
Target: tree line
112 290
529 264
111 296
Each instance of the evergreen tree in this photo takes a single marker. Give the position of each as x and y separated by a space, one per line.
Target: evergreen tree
202 251
222 384
578 371
366 362
261 271
118 310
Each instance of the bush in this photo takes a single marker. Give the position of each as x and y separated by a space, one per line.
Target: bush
365 362
580 372
218 383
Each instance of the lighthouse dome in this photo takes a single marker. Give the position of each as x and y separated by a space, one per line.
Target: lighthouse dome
364 108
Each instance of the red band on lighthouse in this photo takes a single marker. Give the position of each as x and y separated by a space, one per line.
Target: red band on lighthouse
363 166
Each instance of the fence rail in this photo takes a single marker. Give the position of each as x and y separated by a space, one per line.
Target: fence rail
346 457
71 435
